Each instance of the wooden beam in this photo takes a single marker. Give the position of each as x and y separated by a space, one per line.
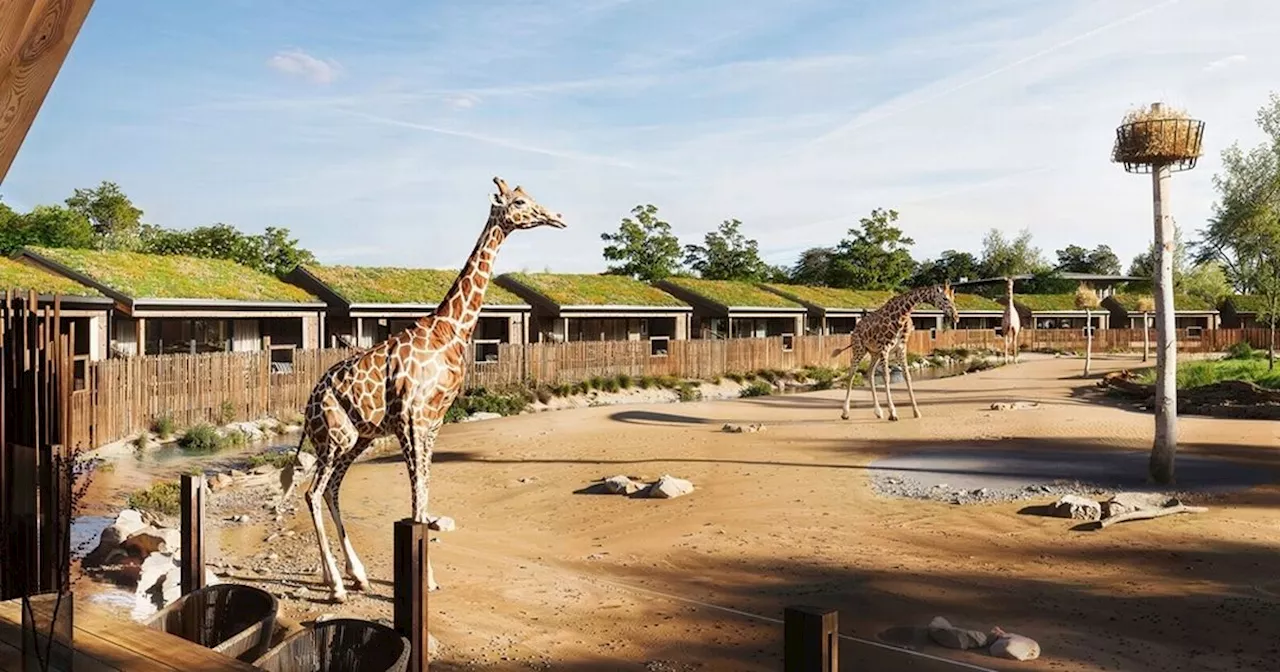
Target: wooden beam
32 57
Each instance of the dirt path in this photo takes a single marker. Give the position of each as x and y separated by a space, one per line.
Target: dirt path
537 577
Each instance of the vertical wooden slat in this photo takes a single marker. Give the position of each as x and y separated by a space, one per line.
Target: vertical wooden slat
811 640
192 558
411 612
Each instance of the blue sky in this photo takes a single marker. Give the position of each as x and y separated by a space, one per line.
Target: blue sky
372 130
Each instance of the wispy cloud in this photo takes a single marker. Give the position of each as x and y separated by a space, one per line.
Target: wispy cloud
298 63
1223 63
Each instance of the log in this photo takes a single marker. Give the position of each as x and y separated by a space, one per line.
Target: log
1152 513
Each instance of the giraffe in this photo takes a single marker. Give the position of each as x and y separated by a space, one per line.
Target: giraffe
1010 323
402 387
884 333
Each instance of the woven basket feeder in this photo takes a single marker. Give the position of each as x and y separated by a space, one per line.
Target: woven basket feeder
1158 137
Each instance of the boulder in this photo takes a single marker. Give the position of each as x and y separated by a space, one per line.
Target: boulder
441 524
219 481
150 540
481 415
1014 405
1076 508
263 469
127 522
621 485
944 634
1016 647
670 487
1128 502
739 429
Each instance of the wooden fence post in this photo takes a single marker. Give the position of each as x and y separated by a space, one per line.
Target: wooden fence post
192 560
411 589
811 642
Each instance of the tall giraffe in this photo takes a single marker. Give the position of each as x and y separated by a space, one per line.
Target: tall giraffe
1010 323
885 332
402 387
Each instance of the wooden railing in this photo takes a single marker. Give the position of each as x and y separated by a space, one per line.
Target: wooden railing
124 396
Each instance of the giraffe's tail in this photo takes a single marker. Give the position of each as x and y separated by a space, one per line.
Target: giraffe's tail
287 481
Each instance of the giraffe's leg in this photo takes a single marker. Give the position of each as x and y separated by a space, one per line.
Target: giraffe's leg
327 563
911 391
417 439
856 357
355 569
888 394
876 359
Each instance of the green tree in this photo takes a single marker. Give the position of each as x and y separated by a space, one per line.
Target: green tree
45 226
875 256
949 266
1002 257
726 254
1144 265
1100 260
813 267
278 253
116 221
644 247
1206 281
272 251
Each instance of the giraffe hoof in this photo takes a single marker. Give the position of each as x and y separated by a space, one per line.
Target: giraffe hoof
338 597
893 418
361 585
844 416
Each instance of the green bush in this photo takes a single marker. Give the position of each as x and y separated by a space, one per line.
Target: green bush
611 385
688 392
481 400
164 427
226 413
735 377
758 388
625 381
236 438
822 378
544 394
278 459
202 438
163 498
1244 351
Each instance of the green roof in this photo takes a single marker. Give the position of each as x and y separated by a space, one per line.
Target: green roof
833 297
154 276
975 302
18 276
417 286
1180 302
1047 302
731 294
595 290
1246 303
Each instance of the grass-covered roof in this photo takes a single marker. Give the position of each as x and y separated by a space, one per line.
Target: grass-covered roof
731 294
1246 303
595 290
1046 302
20 277
153 276
390 285
1180 302
833 297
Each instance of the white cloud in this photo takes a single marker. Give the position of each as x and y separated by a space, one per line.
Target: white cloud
298 63
1229 61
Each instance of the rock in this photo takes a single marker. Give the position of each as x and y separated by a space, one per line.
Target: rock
262 469
670 487
272 557
481 415
1076 508
150 540
441 524
127 522
158 585
236 473
1016 647
739 429
239 518
433 646
210 577
1014 405
290 533
219 481
944 634
271 537
1128 502
621 485
306 461
731 429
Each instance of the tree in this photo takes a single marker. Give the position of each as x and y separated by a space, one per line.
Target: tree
1087 300
949 266
644 246
1100 260
116 221
272 251
1144 265
726 254
876 256
1002 257
45 226
1207 282
814 266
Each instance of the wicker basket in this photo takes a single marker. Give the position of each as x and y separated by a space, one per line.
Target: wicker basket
234 620
339 645
1158 137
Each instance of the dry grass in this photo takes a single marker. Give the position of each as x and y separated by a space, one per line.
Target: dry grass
1086 299
1149 136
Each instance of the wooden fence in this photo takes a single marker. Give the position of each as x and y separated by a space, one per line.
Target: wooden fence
121 397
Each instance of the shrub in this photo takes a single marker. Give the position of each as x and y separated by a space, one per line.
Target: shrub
236 438
822 378
290 418
611 385
595 383
977 365
758 388
142 442
226 413
278 459
202 438
625 381
163 427
768 375
688 392
481 400
645 382
1243 350
163 498
735 377
544 394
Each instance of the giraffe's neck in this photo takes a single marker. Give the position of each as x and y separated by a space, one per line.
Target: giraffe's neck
899 308
460 308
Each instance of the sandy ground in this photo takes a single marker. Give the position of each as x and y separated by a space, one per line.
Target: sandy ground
538 577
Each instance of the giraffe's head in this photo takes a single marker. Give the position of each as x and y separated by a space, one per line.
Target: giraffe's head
944 297
513 209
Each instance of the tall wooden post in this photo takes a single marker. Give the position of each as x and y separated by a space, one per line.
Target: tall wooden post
811 642
411 589
192 533
1166 434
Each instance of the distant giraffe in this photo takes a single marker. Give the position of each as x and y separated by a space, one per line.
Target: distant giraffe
884 333
402 387
1011 323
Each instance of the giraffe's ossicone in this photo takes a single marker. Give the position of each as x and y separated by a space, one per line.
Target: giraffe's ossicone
402 388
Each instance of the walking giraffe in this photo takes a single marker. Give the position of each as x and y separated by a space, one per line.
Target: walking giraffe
1010 323
402 387
885 332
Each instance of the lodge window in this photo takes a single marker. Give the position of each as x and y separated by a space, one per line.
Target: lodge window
486 351
788 342
659 346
